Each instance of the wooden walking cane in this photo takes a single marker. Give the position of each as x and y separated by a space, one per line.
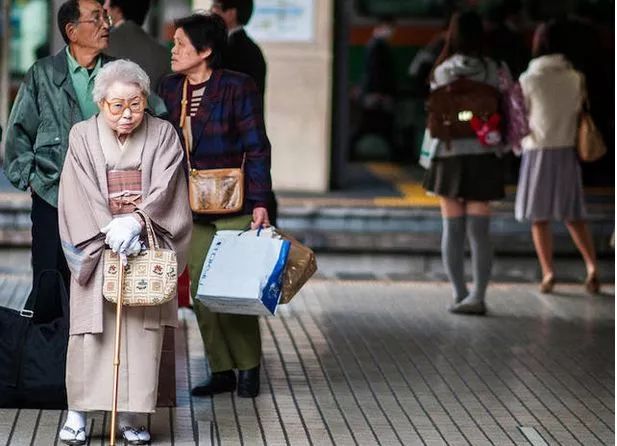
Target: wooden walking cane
114 403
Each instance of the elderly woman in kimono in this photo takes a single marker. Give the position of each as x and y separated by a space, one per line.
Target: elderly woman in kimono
120 161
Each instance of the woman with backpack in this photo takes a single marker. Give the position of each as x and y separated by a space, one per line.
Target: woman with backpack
550 187
464 146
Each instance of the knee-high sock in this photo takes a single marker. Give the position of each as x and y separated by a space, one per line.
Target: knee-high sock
478 231
453 254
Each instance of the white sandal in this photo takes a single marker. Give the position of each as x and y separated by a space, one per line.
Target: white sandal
135 436
74 437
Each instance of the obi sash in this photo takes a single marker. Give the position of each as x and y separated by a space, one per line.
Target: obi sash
125 191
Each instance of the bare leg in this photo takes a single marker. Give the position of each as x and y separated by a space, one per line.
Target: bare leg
543 242
451 207
579 231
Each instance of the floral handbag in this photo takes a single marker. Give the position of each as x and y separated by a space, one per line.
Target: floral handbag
150 278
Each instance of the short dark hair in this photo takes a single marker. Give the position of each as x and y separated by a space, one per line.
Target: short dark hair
555 38
68 13
206 31
133 10
466 34
244 9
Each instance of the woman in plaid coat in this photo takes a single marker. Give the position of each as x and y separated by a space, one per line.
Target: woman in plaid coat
222 126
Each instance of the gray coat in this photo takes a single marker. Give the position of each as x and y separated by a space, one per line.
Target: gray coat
130 41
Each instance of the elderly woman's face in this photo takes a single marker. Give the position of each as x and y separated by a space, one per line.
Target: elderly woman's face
123 107
184 56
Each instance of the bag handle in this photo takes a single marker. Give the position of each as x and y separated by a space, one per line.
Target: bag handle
585 107
153 242
64 295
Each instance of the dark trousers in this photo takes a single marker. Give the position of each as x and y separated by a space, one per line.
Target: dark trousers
46 254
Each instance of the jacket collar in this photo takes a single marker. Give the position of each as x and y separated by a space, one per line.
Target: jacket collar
61 66
210 99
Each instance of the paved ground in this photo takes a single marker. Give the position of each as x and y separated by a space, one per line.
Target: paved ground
380 362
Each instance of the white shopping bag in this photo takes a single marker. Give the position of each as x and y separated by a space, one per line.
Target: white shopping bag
242 273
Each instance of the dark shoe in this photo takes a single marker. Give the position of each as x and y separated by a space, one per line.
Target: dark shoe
547 284
469 306
248 383
219 382
592 284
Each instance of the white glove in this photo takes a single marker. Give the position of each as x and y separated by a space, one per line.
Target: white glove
120 232
134 247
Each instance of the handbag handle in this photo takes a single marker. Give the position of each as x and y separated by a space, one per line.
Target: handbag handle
153 242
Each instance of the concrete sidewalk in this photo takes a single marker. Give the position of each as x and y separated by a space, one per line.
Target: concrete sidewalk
381 362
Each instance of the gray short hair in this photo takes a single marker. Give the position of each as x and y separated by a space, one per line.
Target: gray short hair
123 71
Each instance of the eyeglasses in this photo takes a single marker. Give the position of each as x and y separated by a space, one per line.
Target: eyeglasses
99 20
117 106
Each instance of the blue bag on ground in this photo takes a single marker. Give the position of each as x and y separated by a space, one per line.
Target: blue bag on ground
243 273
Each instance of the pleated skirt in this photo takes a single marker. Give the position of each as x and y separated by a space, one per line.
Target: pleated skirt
89 368
466 177
550 186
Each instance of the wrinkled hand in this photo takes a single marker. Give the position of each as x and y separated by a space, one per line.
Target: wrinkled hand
260 218
120 232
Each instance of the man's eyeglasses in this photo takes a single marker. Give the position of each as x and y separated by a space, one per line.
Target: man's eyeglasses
99 20
116 107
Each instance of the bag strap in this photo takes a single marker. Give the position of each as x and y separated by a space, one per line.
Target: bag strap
585 106
183 116
153 242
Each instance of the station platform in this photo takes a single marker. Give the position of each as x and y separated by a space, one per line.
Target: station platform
383 363
367 354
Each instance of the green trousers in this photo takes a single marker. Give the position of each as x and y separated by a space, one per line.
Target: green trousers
231 341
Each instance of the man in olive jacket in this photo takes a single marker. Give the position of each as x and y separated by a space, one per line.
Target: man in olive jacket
56 93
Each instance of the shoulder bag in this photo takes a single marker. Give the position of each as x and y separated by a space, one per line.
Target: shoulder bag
211 191
590 144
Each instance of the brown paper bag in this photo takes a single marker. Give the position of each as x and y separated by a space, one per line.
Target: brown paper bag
301 265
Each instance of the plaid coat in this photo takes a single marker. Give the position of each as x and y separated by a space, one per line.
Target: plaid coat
228 124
